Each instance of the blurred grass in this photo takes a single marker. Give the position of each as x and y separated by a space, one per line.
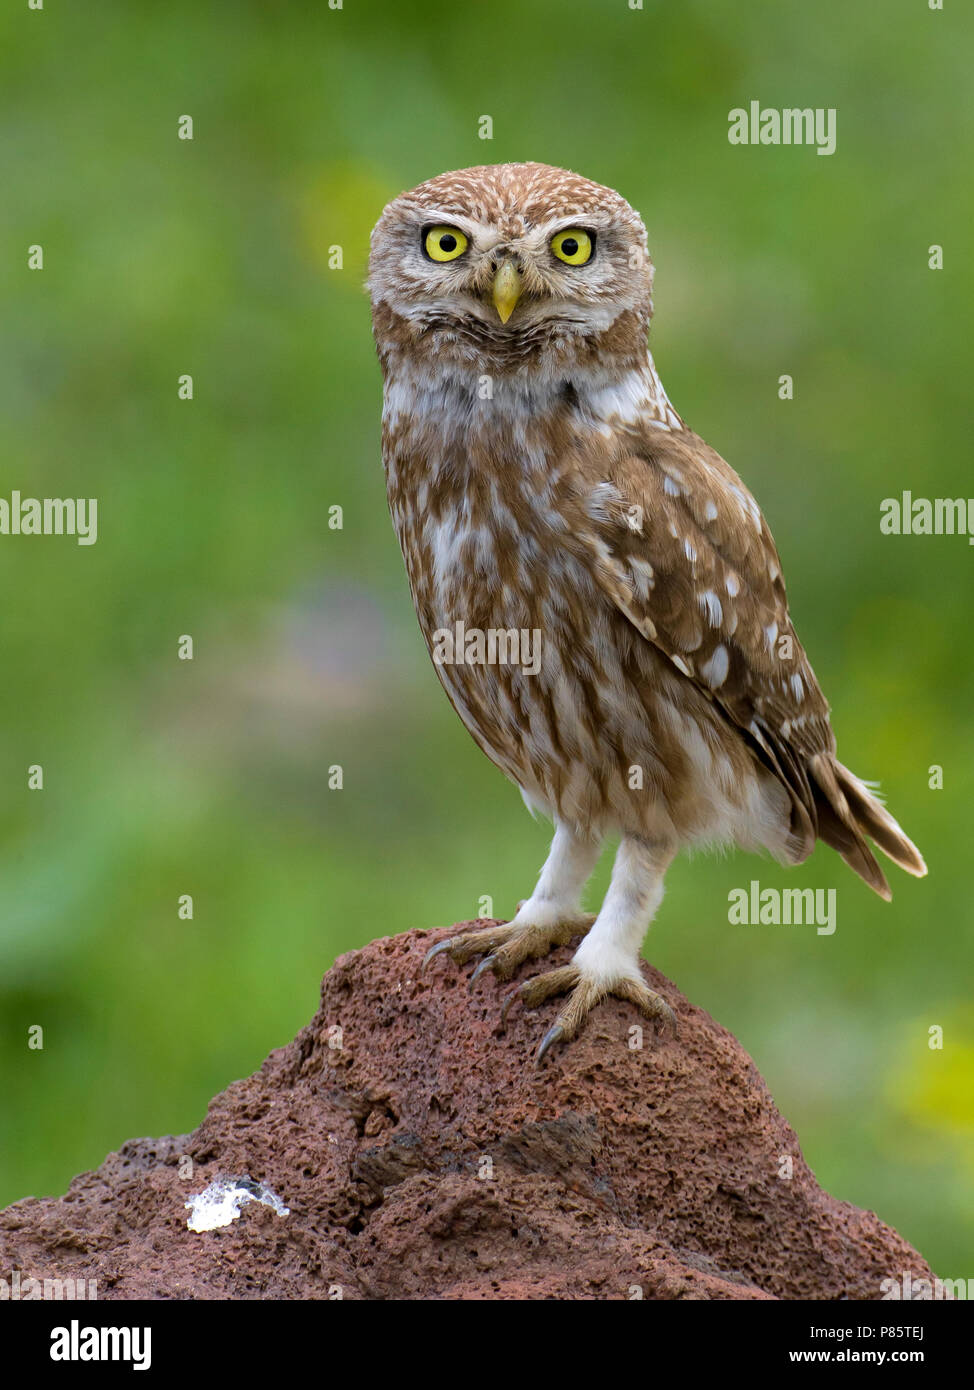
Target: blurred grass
164 257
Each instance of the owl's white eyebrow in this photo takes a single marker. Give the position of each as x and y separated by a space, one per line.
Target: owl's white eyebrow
581 220
431 217
591 221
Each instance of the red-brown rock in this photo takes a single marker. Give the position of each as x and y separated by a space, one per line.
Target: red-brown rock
422 1155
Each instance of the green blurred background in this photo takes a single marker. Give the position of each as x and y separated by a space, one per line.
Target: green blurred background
209 777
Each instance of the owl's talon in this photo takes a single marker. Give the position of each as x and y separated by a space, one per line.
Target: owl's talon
462 948
486 964
554 1034
584 993
649 1003
437 950
507 944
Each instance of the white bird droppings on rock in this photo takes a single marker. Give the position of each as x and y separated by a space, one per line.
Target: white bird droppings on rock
220 1204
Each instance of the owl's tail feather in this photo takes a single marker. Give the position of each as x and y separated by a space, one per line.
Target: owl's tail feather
847 813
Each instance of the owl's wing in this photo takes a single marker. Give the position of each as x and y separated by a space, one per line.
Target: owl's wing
678 543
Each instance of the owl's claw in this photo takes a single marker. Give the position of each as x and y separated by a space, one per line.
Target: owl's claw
508 944
554 1034
584 994
436 950
470 943
486 964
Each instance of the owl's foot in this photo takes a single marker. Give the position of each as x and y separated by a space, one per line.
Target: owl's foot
585 993
508 945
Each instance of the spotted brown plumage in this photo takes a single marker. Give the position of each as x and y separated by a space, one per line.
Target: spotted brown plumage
540 481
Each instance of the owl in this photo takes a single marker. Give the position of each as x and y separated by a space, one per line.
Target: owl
599 591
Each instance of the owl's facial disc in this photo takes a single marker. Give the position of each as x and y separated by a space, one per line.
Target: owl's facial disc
507 265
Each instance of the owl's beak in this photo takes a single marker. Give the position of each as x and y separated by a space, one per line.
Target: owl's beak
507 290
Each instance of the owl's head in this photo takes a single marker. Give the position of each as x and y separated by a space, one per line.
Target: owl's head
509 264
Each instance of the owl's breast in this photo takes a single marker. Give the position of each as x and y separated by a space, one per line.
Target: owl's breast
474 553
497 606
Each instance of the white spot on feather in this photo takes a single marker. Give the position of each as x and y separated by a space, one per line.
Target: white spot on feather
643 575
714 671
710 605
600 498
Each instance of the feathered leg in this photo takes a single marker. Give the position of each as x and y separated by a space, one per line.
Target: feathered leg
550 917
607 961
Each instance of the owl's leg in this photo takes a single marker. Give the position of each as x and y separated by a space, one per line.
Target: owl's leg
607 961
550 917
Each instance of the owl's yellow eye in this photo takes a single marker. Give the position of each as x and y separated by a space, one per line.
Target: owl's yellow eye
445 243
573 246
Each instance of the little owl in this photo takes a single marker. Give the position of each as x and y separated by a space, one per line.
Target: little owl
540 482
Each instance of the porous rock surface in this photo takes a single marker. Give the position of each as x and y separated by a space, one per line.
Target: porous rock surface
422 1155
